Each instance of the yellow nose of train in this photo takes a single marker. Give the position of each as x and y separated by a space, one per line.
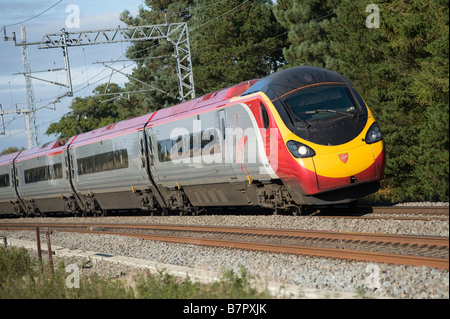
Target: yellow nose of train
347 164
358 162
332 150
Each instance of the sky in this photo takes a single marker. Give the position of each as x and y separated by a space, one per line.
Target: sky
86 74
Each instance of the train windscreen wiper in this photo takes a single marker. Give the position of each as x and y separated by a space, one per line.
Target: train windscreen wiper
328 111
294 117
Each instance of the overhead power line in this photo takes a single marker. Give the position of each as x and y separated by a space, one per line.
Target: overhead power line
37 15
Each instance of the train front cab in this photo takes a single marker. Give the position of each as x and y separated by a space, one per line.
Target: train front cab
332 150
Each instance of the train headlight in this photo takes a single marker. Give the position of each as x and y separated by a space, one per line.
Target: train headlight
300 150
373 134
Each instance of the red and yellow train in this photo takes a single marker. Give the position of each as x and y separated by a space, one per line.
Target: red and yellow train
298 138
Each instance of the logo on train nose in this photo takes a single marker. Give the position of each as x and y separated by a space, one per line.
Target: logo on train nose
343 157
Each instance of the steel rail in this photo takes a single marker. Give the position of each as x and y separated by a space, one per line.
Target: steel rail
357 255
353 236
420 213
429 210
101 228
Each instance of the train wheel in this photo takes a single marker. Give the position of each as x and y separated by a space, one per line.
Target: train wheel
296 210
196 211
278 211
301 210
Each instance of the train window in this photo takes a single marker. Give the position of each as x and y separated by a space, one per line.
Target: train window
43 173
193 144
150 150
222 120
36 174
264 116
108 161
164 149
103 162
358 97
4 180
141 143
57 171
208 137
321 102
120 159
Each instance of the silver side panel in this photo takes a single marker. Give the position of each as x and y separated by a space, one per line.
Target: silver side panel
111 180
221 146
7 192
44 191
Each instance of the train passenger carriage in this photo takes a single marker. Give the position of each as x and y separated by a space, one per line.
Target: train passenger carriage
108 166
42 183
209 149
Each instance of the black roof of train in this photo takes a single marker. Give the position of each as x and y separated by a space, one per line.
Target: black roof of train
284 81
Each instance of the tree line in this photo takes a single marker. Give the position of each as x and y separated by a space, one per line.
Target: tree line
399 63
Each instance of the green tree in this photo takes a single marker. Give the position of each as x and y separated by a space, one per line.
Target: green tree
309 23
11 149
231 41
155 62
89 113
401 69
234 41
430 89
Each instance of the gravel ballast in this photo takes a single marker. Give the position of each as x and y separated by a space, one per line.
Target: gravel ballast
382 280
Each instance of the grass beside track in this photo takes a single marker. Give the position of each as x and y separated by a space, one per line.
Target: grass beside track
23 276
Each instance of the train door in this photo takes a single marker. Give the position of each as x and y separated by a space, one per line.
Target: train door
150 140
69 170
144 156
15 184
69 167
264 126
227 146
14 179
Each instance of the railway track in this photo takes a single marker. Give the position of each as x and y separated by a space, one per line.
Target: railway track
387 212
424 213
385 248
